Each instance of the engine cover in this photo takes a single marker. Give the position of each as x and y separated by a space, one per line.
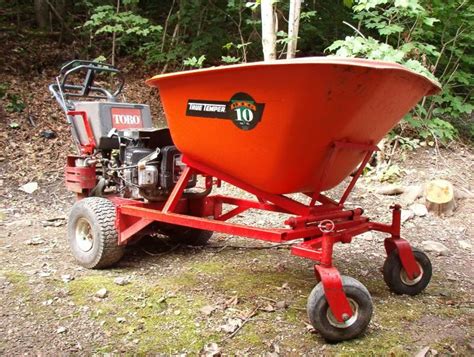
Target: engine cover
171 167
147 176
104 116
134 154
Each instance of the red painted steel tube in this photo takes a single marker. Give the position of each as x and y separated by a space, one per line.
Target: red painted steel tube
356 177
396 220
249 204
273 235
307 251
89 148
232 213
327 249
296 221
178 190
133 229
286 203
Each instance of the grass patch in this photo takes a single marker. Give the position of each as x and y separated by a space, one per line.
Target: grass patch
160 318
19 282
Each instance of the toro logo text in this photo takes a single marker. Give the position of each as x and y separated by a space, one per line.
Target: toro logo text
126 118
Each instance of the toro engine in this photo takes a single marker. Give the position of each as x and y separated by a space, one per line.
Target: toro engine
118 149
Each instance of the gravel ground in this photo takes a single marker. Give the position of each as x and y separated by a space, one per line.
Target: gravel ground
171 299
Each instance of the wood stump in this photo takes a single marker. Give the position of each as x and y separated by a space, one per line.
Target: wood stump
440 197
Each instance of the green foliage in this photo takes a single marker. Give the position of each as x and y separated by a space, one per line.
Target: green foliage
100 59
405 143
238 49
230 59
410 32
194 62
105 19
14 125
307 15
3 90
127 29
15 103
390 174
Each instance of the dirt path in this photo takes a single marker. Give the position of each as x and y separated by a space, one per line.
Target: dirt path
180 299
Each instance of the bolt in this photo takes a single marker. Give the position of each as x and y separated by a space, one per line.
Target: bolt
345 317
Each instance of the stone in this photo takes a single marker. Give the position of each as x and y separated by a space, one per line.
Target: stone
419 209
29 188
423 352
121 281
389 190
20 223
35 241
207 310
102 293
406 215
231 325
211 350
464 244
435 247
366 236
67 278
410 194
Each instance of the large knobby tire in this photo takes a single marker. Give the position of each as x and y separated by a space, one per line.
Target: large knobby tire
323 320
92 235
396 278
187 235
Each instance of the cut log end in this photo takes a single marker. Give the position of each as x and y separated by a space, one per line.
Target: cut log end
440 197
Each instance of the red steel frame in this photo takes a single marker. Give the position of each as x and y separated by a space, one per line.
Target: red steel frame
320 225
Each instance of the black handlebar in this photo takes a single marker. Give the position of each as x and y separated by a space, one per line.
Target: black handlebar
62 90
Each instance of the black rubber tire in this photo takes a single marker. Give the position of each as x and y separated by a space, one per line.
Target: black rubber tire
186 235
318 313
99 213
393 272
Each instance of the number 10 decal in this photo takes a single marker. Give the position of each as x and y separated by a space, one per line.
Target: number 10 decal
242 109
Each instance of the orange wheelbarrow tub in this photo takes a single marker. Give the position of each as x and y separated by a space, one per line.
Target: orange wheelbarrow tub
271 124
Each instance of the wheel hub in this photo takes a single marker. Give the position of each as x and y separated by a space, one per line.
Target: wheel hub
84 237
407 281
355 313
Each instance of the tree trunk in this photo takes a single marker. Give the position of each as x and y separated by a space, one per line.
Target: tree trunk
114 36
60 6
42 14
293 27
268 30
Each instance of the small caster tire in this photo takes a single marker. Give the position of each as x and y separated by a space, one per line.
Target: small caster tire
92 236
323 320
187 235
396 278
